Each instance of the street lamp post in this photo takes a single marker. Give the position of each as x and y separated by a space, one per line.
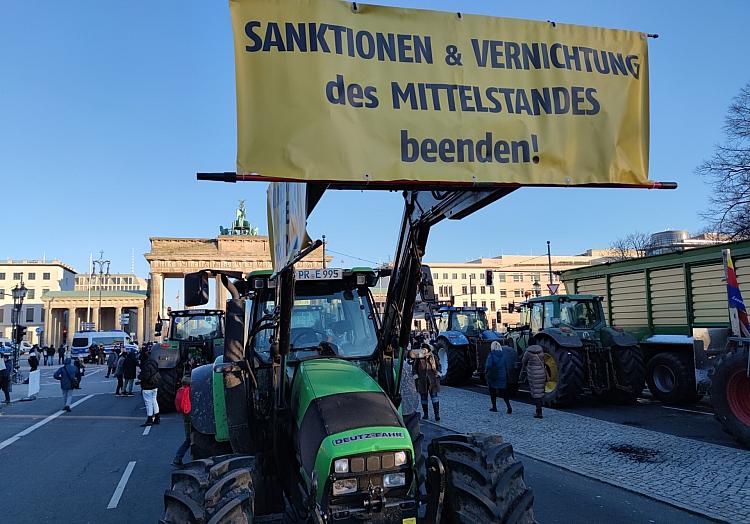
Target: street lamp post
19 293
101 263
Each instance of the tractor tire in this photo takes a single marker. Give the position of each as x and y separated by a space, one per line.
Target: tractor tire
566 379
457 362
203 445
484 480
730 395
670 379
411 422
630 371
212 491
167 391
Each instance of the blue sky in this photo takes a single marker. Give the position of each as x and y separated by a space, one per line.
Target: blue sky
107 110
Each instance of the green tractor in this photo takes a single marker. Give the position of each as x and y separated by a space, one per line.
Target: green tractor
195 337
581 354
309 409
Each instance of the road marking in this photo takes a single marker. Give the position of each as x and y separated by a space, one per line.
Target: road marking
688 410
147 430
121 486
39 424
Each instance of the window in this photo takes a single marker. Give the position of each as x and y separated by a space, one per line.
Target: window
536 277
549 310
30 293
465 303
45 290
473 290
17 276
455 276
482 290
45 276
492 305
492 290
518 293
2 276
464 290
445 276
449 290
2 293
30 314
504 309
536 317
517 277
503 293
32 276
2 315
500 277
473 304
463 275
484 303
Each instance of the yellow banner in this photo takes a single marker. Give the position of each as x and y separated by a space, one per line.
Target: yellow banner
379 94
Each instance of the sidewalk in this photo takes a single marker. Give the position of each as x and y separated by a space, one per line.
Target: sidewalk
704 478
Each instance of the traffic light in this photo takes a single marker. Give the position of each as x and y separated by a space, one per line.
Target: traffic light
488 277
19 334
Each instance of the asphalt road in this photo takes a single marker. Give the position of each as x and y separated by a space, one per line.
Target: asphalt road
689 421
66 467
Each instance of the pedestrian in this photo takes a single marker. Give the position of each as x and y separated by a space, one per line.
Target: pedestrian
182 405
100 357
60 353
112 361
51 355
150 379
69 380
33 360
496 372
6 366
426 371
80 370
120 391
129 372
536 374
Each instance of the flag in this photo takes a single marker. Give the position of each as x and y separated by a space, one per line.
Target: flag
735 298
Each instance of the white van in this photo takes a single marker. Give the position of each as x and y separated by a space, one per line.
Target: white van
82 341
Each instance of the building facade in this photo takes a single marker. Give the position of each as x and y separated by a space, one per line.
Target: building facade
113 282
40 278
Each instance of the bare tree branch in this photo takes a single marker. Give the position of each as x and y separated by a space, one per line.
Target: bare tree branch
633 245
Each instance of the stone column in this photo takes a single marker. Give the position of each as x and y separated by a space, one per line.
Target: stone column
71 325
95 316
141 331
47 324
118 312
155 302
221 294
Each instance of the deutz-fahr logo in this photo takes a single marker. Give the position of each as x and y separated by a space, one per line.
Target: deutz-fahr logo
365 436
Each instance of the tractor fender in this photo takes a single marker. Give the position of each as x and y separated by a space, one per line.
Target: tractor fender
488 334
566 340
202 399
612 337
166 355
454 338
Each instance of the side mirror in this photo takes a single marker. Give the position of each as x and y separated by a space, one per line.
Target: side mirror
196 289
157 329
426 287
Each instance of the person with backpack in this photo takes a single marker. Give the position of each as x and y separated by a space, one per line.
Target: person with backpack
33 360
536 374
6 366
426 371
69 380
150 379
182 405
496 373
112 361
129 372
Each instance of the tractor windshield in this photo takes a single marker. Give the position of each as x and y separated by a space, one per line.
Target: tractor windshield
195 327
581 314
467 322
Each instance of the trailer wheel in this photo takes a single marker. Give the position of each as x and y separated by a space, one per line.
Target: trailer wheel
455 363
630 372
670 379
212 491
730 395
167 391
484 480
565 374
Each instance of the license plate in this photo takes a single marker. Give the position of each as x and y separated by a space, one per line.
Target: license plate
319 274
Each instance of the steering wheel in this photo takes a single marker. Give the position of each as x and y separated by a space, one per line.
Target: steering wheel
303 333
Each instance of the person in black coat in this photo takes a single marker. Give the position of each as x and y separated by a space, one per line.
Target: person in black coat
129 372
150 379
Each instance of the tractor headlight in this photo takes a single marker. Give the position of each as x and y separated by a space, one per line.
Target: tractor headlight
392 480
400 458
344 486
341 466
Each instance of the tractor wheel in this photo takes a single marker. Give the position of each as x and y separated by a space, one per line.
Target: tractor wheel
203 445
411 422
630 372
212 491
565 374
484 480
730 395
670 379
455 363
168 388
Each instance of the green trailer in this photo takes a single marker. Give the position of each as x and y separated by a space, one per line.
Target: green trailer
676 306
